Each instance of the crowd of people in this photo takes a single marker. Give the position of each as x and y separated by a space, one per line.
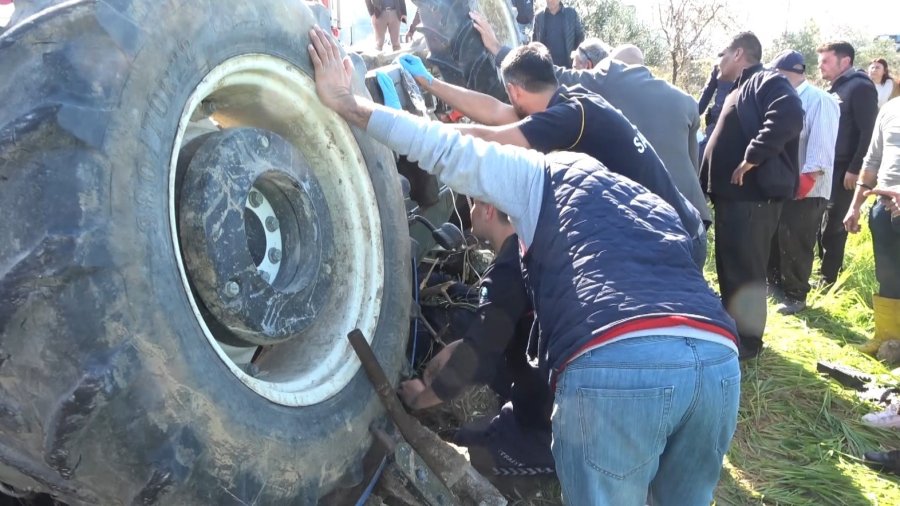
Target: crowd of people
618 361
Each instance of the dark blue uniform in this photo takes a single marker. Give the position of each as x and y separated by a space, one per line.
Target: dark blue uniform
494 352
584 122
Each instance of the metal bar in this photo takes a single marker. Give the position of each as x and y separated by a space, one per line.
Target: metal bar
413 434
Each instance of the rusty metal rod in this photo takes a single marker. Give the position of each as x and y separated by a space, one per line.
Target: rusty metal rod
407 426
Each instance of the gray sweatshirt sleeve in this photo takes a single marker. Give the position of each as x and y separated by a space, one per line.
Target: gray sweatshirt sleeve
872 161
508 177
569 77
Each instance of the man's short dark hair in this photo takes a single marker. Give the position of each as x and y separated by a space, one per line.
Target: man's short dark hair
749 42
841 48
531 67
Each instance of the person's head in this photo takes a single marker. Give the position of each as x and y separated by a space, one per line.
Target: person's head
791 65
878 71
744 51
553 5
628 54
529 78
835 58
589 53
489 224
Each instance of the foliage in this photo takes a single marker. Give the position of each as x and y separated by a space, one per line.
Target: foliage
687 27
879 49
808 38
805 41
615 23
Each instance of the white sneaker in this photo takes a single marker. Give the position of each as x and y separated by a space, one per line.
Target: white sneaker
887 419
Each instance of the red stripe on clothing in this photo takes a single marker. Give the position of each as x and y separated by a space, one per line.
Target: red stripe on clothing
649 323
656 322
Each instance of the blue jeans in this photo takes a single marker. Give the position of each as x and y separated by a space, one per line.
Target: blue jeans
886 245
646 417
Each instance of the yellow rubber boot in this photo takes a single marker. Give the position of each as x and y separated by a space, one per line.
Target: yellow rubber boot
887 323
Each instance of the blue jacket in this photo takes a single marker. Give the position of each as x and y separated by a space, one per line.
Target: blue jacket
594 290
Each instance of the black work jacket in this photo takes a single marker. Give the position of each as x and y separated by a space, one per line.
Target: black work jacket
761 122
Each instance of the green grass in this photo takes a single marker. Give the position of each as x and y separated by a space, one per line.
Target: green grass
799 436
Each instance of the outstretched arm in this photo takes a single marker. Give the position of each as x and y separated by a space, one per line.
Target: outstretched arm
476 106
510 178
481 108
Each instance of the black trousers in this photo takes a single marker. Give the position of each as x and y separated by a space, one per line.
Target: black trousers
832 236
793 249
744 233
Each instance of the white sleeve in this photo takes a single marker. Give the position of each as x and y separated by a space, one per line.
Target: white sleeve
508 177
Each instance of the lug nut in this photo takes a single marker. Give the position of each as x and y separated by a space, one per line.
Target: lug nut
271 223
265 276
264 141
232 289
274 255
256 198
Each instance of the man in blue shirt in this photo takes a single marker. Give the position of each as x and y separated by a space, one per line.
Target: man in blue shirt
793 248
548 117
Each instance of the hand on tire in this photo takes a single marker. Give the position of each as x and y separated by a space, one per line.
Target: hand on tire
413 64
388 90
333 72
488 37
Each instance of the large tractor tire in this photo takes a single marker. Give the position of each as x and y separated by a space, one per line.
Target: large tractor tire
456 47
188 236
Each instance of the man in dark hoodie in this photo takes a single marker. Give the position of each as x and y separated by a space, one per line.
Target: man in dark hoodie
859 107
752 160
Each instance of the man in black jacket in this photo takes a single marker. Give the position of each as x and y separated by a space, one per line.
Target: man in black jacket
559 28
752 160
859 107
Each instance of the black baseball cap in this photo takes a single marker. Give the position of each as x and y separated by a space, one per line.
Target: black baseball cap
789 60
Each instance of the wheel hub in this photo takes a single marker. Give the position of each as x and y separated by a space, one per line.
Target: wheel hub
250 215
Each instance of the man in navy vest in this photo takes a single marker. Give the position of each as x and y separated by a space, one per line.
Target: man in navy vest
639 350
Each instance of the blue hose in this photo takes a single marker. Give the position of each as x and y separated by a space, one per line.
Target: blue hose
371 486
375 477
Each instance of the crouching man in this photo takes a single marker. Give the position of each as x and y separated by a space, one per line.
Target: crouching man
639 351
493 351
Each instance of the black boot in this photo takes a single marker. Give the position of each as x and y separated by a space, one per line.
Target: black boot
884 461
749 348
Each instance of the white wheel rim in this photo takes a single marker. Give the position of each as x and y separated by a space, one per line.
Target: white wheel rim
267 92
